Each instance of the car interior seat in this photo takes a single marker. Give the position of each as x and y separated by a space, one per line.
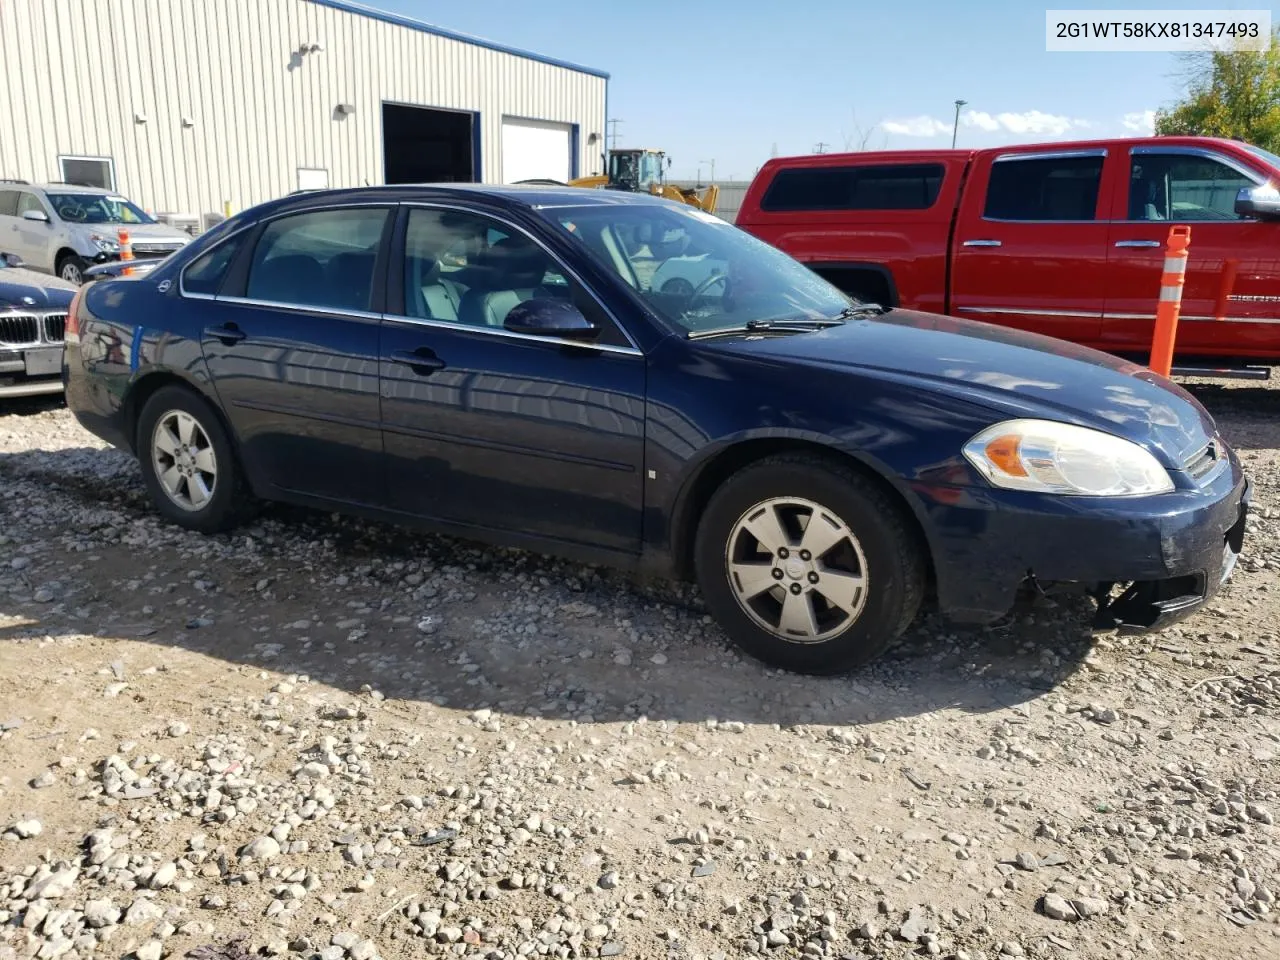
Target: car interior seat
427 294
290 278
350 280
512 271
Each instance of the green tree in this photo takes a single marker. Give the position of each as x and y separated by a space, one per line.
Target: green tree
1232 94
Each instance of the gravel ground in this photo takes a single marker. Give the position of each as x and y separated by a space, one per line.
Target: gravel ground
321 738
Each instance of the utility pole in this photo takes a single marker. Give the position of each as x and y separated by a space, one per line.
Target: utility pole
614 135
956 127
821 147
713 167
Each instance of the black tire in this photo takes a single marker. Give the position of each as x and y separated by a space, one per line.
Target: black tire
79 264
895 561
231 501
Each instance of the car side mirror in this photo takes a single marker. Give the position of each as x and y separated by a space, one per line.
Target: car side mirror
38 215
1261 202
13 260
548 317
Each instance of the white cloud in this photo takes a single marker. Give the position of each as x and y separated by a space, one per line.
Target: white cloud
1142 121
1030 121
921 126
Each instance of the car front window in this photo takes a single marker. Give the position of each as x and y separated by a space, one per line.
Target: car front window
96 208
695 271
1266 155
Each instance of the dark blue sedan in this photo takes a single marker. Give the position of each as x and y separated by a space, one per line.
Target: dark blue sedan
627 381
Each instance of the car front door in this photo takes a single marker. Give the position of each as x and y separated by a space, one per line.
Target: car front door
1230 305
10 239
35 237
1031 247
291 343
487 428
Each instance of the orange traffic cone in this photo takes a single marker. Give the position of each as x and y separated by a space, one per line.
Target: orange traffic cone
126 250
1170 304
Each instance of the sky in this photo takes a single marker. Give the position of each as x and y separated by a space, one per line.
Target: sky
736 81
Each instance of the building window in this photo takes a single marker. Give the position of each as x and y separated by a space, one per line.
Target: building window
88 171
908 186
313 178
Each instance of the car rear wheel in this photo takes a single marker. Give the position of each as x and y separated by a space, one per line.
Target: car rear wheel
71 268
188 463
808 565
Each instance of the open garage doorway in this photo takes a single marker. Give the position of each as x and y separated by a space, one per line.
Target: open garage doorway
424 145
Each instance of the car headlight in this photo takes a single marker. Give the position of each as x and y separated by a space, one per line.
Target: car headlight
105 244
1045 456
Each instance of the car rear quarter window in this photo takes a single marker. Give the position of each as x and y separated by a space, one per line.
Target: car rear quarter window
206 272
899 186
324 258
1044 188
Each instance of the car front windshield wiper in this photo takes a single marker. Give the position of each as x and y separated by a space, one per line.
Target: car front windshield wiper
798 325
856 310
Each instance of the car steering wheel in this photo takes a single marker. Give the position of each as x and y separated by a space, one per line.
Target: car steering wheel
707 284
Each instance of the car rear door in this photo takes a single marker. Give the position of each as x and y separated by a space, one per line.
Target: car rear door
291 343
1230 305
1030 242
487 428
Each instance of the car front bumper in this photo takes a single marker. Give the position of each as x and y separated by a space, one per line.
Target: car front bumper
30 371
1169 554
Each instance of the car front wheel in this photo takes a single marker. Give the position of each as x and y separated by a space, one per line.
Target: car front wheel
808 565
188 463
72 268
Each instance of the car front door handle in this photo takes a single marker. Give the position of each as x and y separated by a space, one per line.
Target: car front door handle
228 333
982 243
1139 243
421 361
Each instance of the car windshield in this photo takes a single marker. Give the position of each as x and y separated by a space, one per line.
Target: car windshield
96 208
696 271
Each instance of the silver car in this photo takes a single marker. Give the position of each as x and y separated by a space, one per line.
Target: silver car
62 229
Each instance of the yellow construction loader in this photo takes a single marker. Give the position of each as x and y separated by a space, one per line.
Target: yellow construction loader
643 170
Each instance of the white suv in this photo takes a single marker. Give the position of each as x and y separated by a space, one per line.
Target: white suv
62 229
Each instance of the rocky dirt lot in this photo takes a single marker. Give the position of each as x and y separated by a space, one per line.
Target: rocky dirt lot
321 738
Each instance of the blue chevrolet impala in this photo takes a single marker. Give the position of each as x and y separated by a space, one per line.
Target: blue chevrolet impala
509 364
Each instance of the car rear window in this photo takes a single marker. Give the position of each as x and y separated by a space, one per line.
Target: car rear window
898 186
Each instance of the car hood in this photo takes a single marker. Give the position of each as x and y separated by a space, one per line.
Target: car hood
138 231
1013 373
26 290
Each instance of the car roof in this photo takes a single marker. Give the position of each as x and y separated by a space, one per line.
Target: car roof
533 196
63 187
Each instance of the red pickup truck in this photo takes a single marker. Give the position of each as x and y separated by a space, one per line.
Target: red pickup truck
1066 239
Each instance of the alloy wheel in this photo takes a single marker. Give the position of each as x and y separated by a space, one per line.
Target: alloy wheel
797 569
185 463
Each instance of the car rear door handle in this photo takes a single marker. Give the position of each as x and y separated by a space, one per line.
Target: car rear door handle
982 243
228 333
421 361
1139 243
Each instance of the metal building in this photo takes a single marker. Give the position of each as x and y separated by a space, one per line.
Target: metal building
191 106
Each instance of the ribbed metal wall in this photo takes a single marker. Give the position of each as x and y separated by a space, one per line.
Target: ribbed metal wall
73 74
